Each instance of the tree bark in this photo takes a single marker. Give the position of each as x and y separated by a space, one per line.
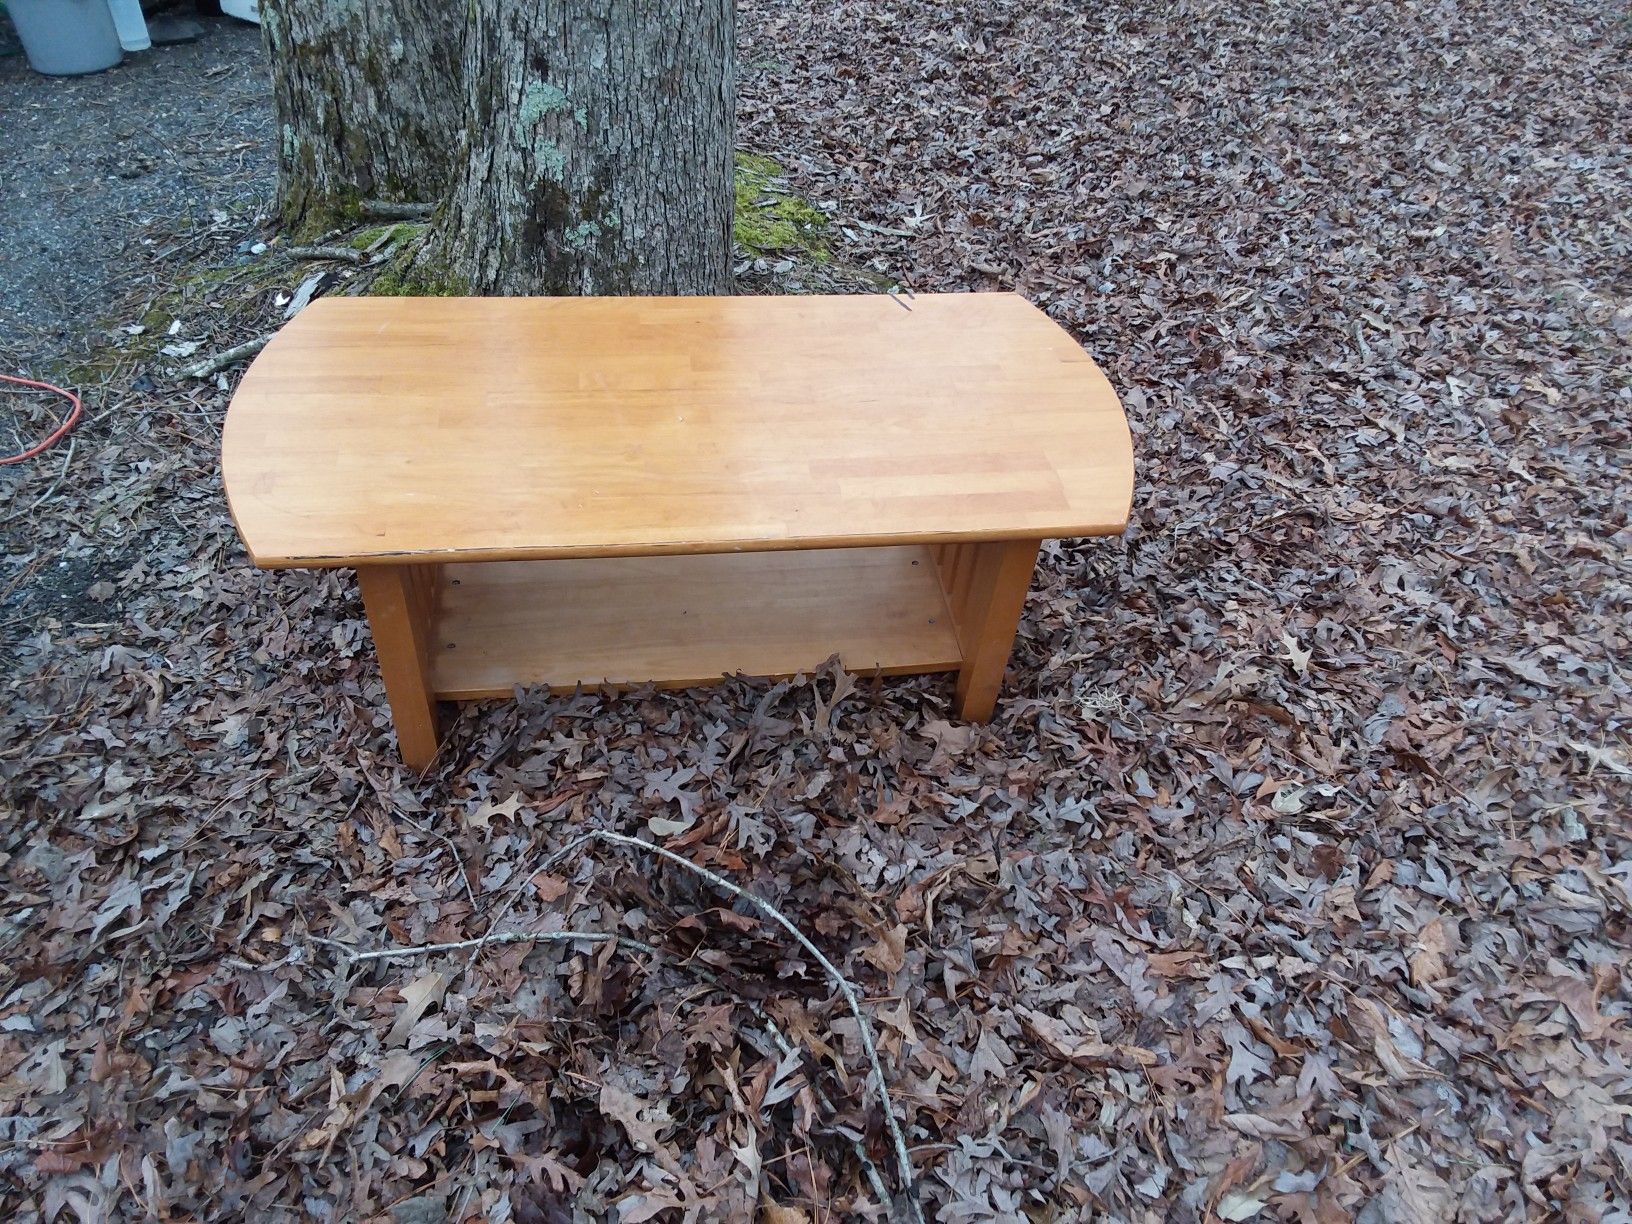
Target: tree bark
369 103
600 158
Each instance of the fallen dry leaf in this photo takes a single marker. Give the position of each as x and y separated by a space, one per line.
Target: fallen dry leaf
1290 876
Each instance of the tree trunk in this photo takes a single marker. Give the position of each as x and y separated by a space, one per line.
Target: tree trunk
369 103
600 157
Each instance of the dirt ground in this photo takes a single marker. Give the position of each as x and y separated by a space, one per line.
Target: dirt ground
1290 883
94 165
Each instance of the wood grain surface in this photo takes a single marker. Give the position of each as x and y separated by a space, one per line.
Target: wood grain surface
686 620
393 430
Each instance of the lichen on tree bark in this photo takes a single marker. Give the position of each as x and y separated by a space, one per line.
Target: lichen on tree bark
369 103
599 157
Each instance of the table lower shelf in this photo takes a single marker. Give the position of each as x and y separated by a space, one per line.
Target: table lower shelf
686 620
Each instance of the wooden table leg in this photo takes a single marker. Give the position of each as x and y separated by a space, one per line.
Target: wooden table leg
401 604
986 587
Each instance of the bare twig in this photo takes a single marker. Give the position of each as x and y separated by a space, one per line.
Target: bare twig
44 497
458 859
341 253
770 912
210 365
503 937
766 909
498 921
856 1145
390 210
874 1179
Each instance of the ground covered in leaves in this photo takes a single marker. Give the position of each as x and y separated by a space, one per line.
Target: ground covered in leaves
1291 881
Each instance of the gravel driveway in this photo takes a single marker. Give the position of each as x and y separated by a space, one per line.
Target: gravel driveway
88 163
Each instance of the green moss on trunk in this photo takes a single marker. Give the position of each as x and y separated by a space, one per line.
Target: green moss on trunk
412 273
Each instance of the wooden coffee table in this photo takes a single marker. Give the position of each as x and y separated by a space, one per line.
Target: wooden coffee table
565 491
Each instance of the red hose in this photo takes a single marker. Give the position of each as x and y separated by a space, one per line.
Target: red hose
58 431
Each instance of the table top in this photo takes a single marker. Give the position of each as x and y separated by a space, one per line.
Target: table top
396 430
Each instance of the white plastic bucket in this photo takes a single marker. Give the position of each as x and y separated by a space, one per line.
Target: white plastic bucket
132 26
244 10
66 37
